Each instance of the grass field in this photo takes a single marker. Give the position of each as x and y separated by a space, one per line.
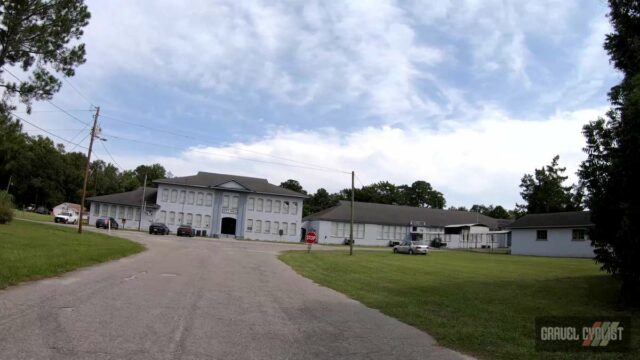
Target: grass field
30 251
19 214
479 304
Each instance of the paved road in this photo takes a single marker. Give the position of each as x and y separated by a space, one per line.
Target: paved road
198 299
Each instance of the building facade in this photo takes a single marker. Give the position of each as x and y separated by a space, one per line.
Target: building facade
229 206
384 225
563 234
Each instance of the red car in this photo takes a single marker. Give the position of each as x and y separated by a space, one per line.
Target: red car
185 230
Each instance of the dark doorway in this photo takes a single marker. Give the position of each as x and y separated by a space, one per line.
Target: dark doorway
228 226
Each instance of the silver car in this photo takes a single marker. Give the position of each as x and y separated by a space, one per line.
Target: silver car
411 247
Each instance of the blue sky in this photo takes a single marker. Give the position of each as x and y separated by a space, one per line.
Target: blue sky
468 95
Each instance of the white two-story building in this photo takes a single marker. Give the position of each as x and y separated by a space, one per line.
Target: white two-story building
219 205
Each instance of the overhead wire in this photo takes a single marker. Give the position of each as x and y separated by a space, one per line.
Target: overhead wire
48 132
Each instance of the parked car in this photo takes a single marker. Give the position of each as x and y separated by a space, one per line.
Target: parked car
31 208
66 218
411 247
103 222
158 228
42 210
185 230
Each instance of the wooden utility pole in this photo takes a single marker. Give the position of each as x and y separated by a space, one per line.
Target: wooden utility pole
86 172
353 174
144 194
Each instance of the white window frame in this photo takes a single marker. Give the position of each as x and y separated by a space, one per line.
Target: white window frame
268 206
259 204
258 228
276 206
208 199
249 225
251 204
267 227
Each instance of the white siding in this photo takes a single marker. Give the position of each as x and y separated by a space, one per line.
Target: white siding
558 243
269 209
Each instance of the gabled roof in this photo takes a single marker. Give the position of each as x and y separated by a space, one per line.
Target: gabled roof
129 198
372 213
554 220
216 181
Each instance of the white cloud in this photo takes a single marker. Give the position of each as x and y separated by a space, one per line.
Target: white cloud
478 163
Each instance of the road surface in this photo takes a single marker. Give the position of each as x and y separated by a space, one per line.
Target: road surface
191 298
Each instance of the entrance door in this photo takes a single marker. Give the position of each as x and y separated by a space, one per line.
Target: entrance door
228 226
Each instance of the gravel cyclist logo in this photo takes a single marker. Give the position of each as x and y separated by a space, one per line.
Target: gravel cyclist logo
606 334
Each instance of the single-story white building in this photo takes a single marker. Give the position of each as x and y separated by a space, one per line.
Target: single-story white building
384 225
66 207
216 205
564 234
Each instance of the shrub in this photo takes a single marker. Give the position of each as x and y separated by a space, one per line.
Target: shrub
6 207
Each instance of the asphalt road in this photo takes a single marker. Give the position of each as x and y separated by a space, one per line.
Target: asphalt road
198 299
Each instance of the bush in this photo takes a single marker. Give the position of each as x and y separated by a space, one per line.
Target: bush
6 207
437 243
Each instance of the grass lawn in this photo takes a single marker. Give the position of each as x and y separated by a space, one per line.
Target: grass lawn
480 304
19 214
31 251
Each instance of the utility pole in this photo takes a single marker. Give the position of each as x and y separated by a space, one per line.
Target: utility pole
9 184
86 172
144 193
353 174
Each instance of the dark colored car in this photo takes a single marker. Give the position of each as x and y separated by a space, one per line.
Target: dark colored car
158 228
42 210
103 222
185 230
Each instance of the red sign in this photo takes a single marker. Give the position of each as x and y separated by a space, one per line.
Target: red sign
310 237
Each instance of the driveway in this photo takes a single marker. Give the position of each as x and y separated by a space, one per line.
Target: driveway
190 298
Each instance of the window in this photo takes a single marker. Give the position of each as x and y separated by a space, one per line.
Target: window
96 208
267 227
249 225
137 214
294 208
359 231
190 196
183 195
172 217
284 228
292 229
268 207
174 196
234 202
165 195
541 235
258 226
208 200
277 206
285 207
386 232
200 199
259 205
251 203
380 227
163 216
129 213
180 218
334 229
225 202
198 222
112 211
104 209
121 212
340 231
578 234
189 218
276 228
207 221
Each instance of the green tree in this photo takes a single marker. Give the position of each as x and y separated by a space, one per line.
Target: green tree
609 175
153 172
40 37
544 190
422 194
319 201
293 185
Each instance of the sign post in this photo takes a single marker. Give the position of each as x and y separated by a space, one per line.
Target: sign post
310 239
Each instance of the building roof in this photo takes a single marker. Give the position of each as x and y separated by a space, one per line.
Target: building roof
214 181
73 206
554 220
130 198
384 214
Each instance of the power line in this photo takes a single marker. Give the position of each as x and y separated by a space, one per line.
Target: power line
171 132
50 133
111 156
78 92
228 155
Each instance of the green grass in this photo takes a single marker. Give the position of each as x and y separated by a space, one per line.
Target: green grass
19 214
30 251
479 304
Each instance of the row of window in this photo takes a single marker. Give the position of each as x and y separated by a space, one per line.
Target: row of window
277 229
188 197
174 218
576 235
386 232
276 206
116 211
343 230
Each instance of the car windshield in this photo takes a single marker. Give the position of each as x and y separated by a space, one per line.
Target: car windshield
157 224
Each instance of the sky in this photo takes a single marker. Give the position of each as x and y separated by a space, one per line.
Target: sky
467 95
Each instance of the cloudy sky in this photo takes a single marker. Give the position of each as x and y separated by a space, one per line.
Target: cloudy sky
468 95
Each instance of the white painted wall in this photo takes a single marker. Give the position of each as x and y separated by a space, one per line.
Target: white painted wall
292 218
185 202
558 243
118 212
